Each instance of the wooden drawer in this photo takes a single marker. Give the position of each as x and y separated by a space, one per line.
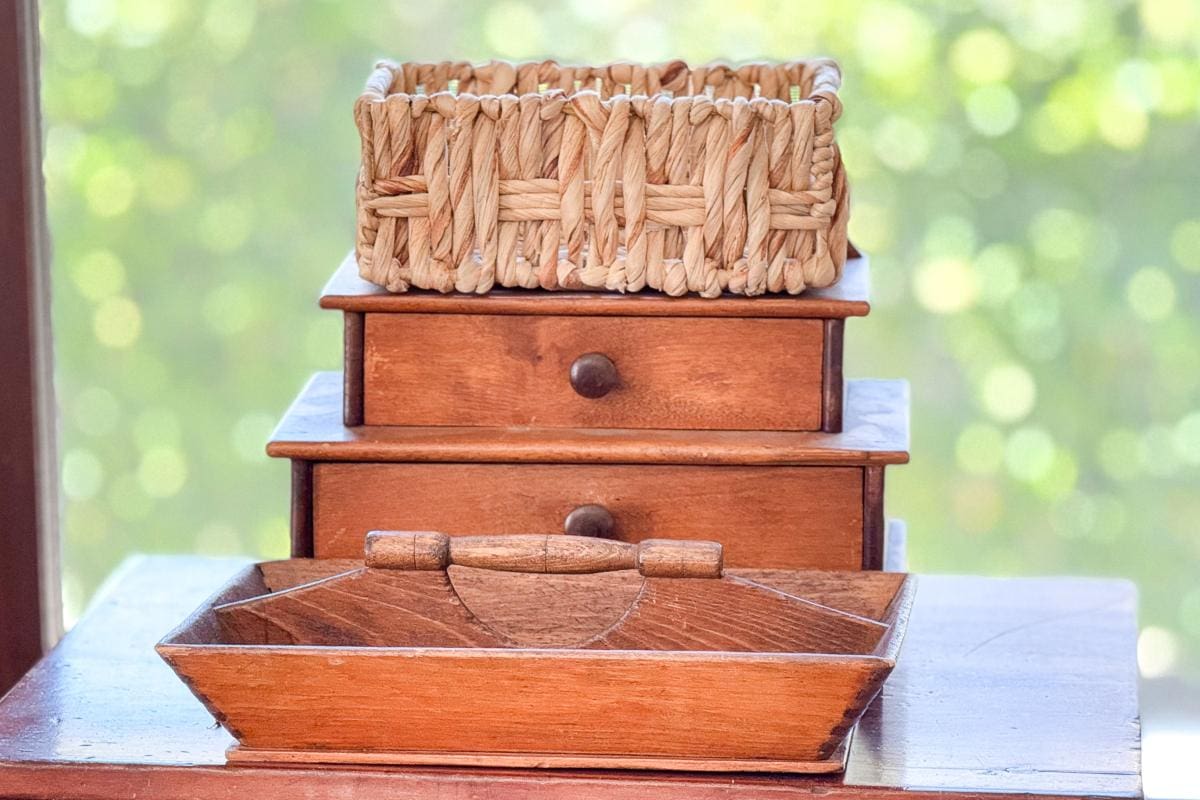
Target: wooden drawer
776 499
570 360
781 517
654 372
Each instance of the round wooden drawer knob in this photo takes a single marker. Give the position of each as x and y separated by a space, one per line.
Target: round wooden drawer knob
589 520
594 375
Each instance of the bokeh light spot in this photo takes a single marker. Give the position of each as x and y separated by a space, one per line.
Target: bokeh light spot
1157 651
1185 244
91 17
1008 392
1151 294
514 30
82 474
1139 84
229 24
993 110
872 226
1060 479
982 55
1029 454
140 23
901 143
110 191
117 322
1120 122
945 285
1171 21
98 275
998 269
1186 437
894 42
162 472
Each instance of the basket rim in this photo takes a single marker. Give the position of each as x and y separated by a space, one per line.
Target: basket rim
826 76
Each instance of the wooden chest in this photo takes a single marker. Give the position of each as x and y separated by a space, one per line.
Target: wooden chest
774 499
621 416
591 360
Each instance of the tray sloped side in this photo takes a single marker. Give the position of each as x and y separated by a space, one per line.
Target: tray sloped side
534 706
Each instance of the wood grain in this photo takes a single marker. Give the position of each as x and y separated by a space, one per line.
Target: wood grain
288 573
519 701
363 608
994 696
736 616
846 298
875 432
766 517
514 604
869 595
372 607
674 373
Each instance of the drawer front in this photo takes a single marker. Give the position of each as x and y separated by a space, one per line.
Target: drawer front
656 372
770 517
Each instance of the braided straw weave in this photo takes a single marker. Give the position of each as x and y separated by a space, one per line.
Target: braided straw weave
620 177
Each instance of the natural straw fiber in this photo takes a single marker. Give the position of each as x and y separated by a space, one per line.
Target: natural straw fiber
619 177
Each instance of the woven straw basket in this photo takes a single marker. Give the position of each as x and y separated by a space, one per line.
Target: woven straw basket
620 177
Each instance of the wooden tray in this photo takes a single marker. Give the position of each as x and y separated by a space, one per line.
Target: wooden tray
457 651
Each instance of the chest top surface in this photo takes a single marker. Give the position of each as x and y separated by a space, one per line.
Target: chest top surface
849 297
1019 686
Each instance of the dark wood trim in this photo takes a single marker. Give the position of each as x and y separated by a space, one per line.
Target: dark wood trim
831 401
352 368
29 587
873 521
302 510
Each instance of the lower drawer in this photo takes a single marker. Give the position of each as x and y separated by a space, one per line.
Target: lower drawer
783 517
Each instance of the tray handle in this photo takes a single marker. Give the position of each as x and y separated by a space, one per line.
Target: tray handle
656 558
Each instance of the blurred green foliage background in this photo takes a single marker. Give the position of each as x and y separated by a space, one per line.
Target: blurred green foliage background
1026 175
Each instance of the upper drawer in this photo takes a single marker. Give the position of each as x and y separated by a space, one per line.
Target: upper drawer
572 360
598 372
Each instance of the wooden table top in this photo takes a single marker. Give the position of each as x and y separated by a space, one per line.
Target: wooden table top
1005 686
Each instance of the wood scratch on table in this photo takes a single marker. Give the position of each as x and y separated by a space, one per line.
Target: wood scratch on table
1043 621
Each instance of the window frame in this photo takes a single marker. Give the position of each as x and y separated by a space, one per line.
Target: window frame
30 581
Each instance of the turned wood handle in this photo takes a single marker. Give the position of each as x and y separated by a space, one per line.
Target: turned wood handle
594 375
590 520
654 558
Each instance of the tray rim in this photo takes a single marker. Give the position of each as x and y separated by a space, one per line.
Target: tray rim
884 657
